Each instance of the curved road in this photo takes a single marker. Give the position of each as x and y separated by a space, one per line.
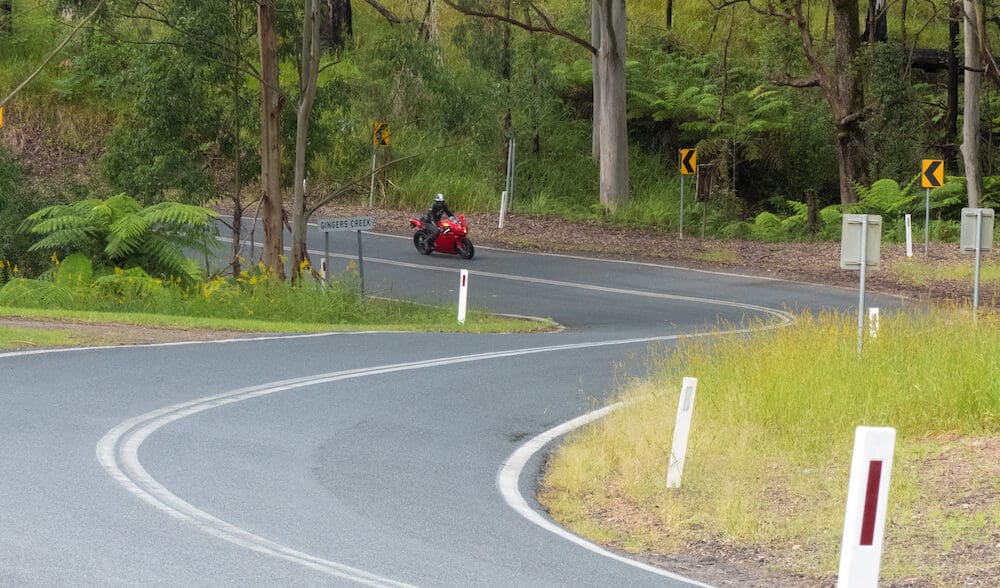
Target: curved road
381 459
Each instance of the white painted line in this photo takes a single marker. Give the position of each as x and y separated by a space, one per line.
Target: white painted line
183 343
118 453
510 473
563 284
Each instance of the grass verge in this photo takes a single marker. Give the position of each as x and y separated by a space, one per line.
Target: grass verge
769 451
18 338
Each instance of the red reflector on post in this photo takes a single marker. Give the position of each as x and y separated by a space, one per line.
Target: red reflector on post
871 502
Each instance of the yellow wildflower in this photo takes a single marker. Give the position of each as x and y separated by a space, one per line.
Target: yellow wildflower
54 258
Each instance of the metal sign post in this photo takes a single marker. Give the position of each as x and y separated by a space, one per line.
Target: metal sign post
931 176
689 166
860 247
977 236
355 223
380 138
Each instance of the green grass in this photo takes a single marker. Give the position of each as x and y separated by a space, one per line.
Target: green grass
773 427
18 338
917 272
251 302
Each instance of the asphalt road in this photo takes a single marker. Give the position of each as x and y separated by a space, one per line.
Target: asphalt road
367 458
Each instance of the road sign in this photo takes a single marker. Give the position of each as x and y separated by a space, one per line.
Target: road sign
689 162
973 220
932 173
380 135
352 223
851 238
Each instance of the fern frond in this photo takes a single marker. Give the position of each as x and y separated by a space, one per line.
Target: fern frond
125 235
72 240
176 213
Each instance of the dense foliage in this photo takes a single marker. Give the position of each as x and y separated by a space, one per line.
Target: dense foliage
179 81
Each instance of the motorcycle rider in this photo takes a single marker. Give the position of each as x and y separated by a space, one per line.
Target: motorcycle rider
437 211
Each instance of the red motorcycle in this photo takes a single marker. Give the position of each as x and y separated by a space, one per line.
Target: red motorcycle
451 239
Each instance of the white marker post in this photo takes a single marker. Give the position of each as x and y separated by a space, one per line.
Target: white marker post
503 208
909 237
867 499
463 295
681 429
873 322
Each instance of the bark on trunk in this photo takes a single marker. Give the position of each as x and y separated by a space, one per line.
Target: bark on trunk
847 101
270 139
951 115
336 24
611 73
307 95
970 114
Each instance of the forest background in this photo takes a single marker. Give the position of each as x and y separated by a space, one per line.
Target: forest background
800 111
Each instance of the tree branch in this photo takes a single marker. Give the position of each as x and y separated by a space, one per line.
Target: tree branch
548 28
385 12
53 54
810 82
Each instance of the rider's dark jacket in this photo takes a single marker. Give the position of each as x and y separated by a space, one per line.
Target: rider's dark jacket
437 211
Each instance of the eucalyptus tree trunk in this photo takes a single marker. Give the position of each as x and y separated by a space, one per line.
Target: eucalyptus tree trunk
970 114
336 24
847 101
270 139
611 89
308 79
949 151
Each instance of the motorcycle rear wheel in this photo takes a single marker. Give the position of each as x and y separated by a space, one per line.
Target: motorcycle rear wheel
465 249
420 242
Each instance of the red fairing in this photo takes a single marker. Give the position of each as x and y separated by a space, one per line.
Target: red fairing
452 239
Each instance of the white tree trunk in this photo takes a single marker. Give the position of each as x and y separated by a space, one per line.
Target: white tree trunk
970 114
611 74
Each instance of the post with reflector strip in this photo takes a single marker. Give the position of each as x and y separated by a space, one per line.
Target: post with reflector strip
463 295
867 500
682 427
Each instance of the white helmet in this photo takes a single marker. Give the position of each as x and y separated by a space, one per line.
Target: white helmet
439 198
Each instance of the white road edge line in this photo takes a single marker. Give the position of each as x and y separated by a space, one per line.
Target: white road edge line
510 474
118 452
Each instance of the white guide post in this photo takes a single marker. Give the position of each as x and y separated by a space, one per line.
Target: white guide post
873 322
463 295
503 208
909 237
867 499
681 429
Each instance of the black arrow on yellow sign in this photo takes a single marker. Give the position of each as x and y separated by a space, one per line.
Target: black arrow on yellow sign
380 134
932 173
689 161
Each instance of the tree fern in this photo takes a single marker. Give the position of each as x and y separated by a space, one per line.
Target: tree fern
119 232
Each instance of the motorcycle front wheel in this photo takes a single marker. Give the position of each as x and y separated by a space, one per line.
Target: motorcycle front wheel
466 250
420 242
